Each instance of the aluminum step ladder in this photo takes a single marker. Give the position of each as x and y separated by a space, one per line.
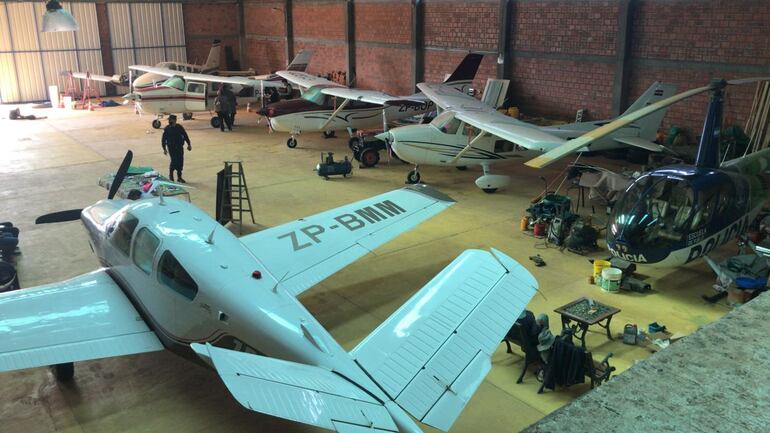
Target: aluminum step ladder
235 196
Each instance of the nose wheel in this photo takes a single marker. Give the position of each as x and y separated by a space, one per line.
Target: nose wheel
156 124
291 143
413 176
187 116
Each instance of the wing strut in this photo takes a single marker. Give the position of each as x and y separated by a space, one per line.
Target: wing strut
331 117
468 147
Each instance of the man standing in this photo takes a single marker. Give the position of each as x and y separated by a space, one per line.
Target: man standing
174 138
222 107
232 103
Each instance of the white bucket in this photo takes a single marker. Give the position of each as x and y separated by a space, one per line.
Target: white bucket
611 279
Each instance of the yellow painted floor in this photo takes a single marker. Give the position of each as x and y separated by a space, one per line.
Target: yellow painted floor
53 164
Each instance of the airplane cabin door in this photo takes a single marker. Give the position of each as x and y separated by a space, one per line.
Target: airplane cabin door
195 96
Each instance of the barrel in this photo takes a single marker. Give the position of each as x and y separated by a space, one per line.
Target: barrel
539 230
611 279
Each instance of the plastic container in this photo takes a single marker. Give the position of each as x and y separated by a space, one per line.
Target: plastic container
611 279
539 230
598 266
524 223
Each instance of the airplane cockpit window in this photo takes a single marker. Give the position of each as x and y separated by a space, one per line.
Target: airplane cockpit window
121 236
196 88
315 95
175 82
172 275
145 245
446 123
655 210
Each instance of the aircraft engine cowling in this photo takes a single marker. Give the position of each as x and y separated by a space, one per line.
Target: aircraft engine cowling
492 182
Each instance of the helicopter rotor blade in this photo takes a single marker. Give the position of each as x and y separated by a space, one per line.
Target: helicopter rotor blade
585 139
58 217
120 175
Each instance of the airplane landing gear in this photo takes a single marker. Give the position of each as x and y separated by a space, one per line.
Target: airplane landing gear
215 122
291 142
413 176
329 134
489 190
156 123
63 372
187 116
462 167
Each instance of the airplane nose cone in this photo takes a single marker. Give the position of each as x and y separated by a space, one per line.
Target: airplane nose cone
131 97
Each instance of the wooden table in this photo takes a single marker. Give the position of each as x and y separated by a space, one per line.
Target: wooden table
584 315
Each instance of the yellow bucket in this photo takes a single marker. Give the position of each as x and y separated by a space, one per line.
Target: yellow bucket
598 266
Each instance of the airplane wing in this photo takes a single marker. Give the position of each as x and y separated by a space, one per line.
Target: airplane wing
432 354
206 78
298 392
302 253
374 97
480 115
306 80
114 79
87 317
642 144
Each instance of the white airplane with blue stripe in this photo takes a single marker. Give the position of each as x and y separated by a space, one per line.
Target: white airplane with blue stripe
173 278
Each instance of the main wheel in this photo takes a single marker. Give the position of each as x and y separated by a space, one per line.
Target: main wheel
63 372
462 167
187 116
156 124
215 122
329 134
291 142
370 158
489 190
413 176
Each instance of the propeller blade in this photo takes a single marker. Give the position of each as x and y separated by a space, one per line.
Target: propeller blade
120 175
58 217
747 80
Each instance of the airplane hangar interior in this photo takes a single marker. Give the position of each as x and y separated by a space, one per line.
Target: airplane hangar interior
384 216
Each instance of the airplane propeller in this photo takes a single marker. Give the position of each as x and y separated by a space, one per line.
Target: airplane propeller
586 139
74 214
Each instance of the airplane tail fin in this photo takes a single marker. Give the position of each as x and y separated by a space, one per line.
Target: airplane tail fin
212 62
301 61
431 355
465 72
649 125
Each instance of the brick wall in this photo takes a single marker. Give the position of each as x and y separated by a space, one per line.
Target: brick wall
204 22
319 25
265 32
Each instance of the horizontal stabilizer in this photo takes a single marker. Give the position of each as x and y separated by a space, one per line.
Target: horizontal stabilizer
432 354
641 143
298 392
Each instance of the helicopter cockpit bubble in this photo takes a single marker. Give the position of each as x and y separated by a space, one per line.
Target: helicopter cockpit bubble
655 210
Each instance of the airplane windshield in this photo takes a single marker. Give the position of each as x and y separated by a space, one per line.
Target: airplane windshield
175 82
654 210
314 95
446 123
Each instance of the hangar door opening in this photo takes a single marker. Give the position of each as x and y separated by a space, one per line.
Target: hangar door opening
30 60
146 34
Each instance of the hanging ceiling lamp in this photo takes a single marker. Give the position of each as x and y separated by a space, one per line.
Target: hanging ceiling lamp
56 19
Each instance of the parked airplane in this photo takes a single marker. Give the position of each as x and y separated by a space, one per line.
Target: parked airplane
676 214
187 92
151 79
472 132
174 278
327 106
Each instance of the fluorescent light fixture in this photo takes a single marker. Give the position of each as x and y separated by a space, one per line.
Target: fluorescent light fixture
56 19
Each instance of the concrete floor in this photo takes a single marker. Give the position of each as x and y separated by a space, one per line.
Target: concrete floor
53 164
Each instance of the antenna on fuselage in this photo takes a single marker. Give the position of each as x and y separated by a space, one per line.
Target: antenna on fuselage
210 239
160 196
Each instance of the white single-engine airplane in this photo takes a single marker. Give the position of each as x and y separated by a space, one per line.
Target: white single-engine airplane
327 106
150 79
174 278
472 132
187 92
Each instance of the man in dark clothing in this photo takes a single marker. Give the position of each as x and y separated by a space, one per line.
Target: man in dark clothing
232 103
174 138
222 107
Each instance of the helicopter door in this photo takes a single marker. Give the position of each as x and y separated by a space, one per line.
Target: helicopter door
195 96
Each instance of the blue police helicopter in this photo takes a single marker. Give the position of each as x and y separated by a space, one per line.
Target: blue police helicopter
674 214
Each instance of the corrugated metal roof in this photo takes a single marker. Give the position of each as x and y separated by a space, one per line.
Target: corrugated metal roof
31 80
173 25
88 35
23 29
5 32
147 26
8 89
120 25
